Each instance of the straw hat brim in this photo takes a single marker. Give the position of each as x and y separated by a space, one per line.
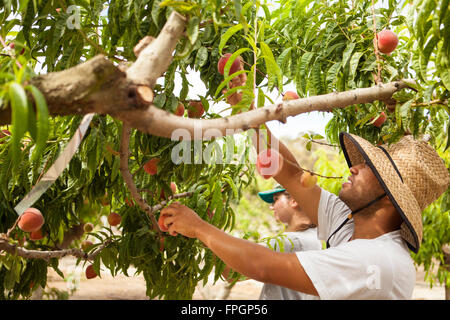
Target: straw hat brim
356 150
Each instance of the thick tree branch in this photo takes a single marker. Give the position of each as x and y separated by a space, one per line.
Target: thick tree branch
99 86
47 255
155 58
128 178
162 123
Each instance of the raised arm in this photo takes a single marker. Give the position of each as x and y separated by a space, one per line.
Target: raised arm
250 259
289 178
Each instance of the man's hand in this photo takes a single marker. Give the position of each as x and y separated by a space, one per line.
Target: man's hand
181 219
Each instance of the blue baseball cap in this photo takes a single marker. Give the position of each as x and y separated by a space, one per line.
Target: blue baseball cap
267 196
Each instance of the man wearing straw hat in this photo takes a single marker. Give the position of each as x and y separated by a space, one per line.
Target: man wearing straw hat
368 228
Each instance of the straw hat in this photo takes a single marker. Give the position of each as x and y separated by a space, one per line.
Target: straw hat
410 171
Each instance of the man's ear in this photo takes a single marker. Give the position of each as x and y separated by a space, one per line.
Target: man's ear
293 203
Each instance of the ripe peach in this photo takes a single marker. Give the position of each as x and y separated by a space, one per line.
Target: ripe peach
31 220
380 120
114 219
269 163
37 235
290 95
90 273
85 245
223 60
195 109
88 227
180 110
151 167
308 180
387 41
104 200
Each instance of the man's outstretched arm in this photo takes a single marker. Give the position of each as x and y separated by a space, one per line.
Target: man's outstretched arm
250 259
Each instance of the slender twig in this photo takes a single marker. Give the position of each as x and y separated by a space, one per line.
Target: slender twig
424 104
12 56
13 227
322 143
303 169
49 254
162 204
124 155
375 45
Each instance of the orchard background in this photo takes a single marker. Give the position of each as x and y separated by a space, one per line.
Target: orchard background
105 57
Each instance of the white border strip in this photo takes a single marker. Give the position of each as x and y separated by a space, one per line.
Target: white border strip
57 168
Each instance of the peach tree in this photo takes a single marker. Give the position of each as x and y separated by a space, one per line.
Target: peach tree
125 64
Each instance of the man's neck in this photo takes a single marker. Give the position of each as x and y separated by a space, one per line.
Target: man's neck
299 224
371 225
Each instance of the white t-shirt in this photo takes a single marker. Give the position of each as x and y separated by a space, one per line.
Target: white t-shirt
301 241
379 268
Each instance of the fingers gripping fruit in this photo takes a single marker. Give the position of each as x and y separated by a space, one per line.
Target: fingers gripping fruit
161 223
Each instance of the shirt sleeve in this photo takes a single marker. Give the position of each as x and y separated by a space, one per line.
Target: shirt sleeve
332 212
289 243
348 272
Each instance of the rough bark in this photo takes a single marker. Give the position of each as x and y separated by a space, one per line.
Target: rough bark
162 123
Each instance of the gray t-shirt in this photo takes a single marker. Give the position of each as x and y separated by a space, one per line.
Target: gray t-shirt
301 241
361 269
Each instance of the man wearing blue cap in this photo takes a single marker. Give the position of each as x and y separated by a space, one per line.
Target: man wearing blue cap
300 235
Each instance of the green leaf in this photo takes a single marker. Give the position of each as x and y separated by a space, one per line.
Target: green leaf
237 7
19 118
261 98
283 56
227 80
182 6
273 70
332 74
43 123
354 61
347 53
192 29
201 58
308 145
227 35
230 61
